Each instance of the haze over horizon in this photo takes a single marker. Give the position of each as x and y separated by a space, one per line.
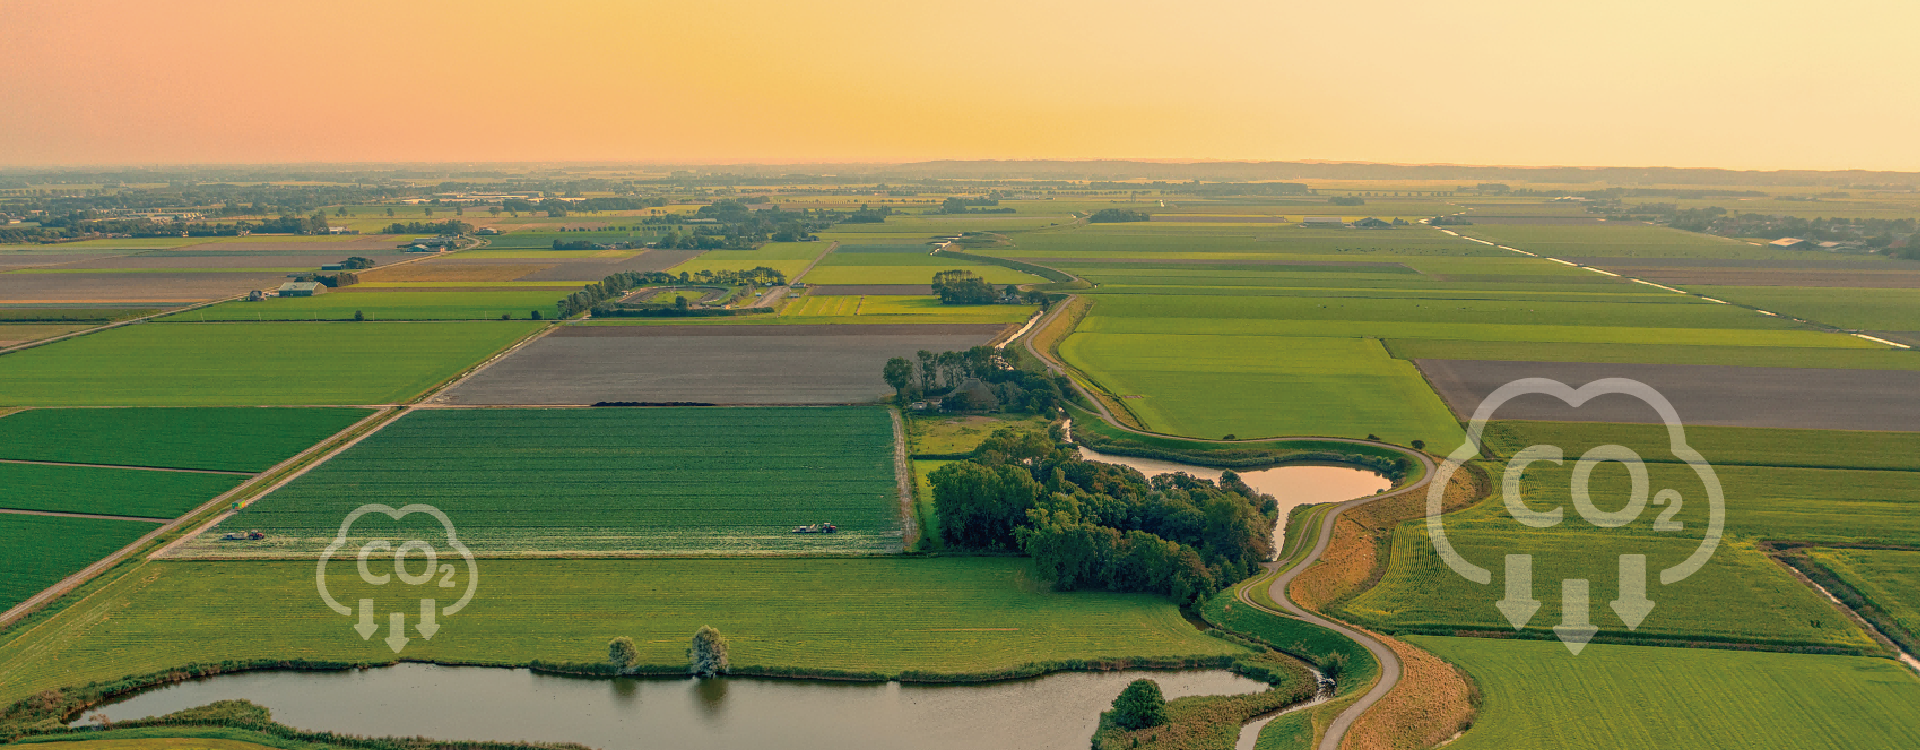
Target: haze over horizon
1709 83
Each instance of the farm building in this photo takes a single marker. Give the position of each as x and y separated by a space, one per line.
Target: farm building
1322 221
1371 223
301 289
1789 243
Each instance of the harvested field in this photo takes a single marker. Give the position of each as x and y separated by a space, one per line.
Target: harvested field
20 334
1478 218
442 271
144 288
735 364
162 259
609 481
839 290
595 269
1793 398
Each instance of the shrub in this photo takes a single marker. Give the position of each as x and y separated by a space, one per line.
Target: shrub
1140 706
621 653
707 656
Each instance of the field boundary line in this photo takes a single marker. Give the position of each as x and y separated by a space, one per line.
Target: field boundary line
65 514
435 394
318 454
31 462
903 479
1787 557
832 246
68 584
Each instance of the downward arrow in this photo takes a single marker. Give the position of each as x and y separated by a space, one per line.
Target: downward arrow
1519 605
427 626
366 628
397 631
1574 629
1632 606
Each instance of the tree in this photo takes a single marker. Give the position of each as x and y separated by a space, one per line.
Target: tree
1140 706
899 375
680 302
621 653
707 656
426 210
389 211
341 212
929 373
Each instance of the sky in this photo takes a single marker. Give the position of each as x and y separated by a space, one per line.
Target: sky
1742 84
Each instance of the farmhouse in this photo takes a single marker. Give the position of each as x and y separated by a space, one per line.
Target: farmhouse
301 289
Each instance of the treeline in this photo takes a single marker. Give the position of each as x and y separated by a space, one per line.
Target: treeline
979 379
1117 216
450 226
958 205
618 285
1090 525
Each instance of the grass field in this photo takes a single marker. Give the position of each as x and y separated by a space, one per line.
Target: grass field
1258 386
104 491
1540 697
953 435
250 363
681 480
221 439
1851 307
789 258
883 615
157 743
1623 241
1739 596
542 253
42 550
1887 577
463 305
904 268
1723 445
1849 358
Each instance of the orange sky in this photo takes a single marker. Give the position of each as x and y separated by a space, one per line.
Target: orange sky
1728 83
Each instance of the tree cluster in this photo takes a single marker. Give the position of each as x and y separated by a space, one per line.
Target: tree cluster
962 287
958 205
1000 382
1091 525
1117 216
450 226
1347 200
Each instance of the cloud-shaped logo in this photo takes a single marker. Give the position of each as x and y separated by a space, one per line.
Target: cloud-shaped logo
435 575
1633 606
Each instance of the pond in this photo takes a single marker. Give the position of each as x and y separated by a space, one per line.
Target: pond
1053 712
1293 485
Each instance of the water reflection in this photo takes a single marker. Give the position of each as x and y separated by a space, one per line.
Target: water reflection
477 703
1293 485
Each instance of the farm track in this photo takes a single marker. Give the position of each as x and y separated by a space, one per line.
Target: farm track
1390 667
816 261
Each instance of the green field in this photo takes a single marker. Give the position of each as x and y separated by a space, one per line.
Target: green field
679 480
107 491
1622 241
904 268
1843 449
468 305
1884 358
1261 386
1850 307
789 258
881 615
875 308
42 550
1889 578
1740 596
1609 697
220 439
250 363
